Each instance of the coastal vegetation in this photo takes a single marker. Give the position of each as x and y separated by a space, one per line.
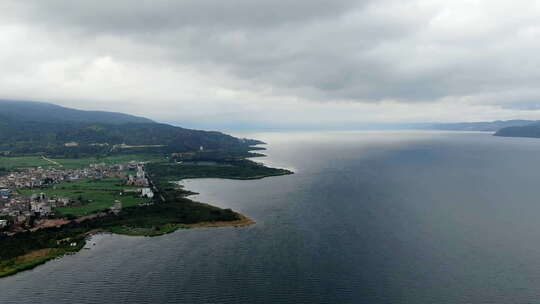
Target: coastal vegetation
238 169
171 210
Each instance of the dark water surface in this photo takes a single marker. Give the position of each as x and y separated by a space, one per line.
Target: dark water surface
370 217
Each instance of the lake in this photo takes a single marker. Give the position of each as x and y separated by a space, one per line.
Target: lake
369 217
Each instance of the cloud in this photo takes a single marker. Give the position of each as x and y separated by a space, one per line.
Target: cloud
304 61
126 16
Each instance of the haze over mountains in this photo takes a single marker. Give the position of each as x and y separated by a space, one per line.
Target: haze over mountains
507 128
38 127
480 126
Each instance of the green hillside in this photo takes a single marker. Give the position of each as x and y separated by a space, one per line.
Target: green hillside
56 132
47 112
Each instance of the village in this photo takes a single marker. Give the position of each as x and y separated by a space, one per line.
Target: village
19 212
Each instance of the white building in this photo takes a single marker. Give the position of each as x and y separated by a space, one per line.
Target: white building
140 172
147 192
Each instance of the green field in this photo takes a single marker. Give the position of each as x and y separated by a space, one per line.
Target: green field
76 163
23 162
98 195
10 163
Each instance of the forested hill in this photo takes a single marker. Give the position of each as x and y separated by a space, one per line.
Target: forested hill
47 112
532 130
57 132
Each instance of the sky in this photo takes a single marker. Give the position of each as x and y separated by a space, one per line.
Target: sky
272 63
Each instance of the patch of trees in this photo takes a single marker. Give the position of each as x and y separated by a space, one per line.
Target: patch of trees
237 169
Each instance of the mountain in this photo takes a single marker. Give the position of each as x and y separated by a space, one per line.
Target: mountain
531 130
491 126
47 112
41 128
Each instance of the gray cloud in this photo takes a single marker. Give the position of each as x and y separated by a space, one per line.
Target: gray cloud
277 55
126 16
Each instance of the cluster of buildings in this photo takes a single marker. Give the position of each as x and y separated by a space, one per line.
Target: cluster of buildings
33 178
21 213
15 210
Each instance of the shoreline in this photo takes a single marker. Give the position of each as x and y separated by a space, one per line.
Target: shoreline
37 257
244 221
170 228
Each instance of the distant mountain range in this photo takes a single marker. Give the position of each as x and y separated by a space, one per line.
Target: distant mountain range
508 128
479 126
531 130
43 128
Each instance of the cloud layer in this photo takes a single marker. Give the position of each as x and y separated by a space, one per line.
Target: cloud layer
311 62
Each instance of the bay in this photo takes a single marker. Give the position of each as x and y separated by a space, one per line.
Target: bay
368 217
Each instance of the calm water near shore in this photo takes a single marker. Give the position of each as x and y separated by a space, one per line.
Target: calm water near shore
369 217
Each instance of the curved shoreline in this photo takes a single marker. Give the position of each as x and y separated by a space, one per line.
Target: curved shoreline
32 259
242 222
170 228
39 257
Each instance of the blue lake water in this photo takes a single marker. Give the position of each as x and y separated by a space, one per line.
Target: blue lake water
369 217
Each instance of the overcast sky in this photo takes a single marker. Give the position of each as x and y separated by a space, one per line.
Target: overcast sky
271 62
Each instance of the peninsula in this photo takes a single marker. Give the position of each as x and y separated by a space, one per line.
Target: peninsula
78 173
